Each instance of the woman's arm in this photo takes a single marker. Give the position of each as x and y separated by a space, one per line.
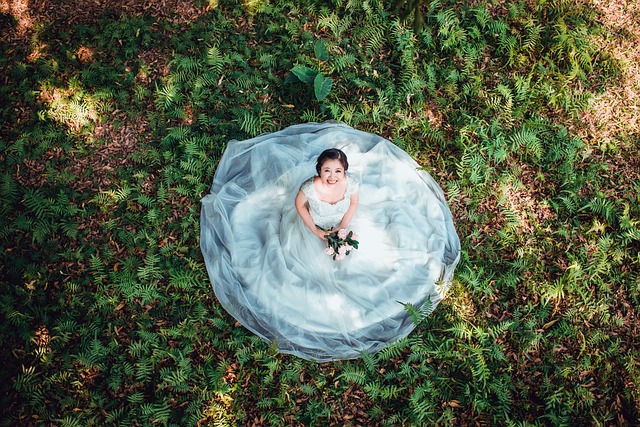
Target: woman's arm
303 211
353 205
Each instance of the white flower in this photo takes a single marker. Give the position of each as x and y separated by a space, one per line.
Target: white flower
342 234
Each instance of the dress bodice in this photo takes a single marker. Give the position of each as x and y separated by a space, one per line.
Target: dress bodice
328 215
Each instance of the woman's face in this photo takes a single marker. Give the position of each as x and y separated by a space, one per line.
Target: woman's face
331 172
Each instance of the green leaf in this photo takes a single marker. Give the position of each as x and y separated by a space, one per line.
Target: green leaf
322 86
320 50
304 73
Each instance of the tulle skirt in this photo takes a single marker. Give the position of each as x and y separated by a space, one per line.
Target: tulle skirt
271 273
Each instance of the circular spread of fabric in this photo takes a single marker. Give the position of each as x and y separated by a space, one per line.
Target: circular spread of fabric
272 274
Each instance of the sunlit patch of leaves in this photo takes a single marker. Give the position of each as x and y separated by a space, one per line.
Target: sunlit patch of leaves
540 323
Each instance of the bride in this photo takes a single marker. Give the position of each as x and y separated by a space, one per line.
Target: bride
263 237
329 198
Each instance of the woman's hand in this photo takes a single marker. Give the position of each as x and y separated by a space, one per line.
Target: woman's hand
321 234
338 228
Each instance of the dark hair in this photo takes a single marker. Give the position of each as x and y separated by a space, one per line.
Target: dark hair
332 154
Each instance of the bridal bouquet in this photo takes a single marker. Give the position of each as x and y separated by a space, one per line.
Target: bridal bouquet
340 243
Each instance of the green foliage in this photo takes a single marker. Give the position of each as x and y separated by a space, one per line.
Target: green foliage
321 84
108 313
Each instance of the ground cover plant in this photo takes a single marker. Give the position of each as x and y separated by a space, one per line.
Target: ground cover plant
114 115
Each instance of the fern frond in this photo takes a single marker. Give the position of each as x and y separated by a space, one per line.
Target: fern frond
351 373
214 59
167 96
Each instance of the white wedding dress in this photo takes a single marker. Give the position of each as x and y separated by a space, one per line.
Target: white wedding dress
270 272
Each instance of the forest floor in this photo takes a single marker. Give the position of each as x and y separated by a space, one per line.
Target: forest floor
614 113
610 127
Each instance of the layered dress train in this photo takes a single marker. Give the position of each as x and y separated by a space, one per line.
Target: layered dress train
270 272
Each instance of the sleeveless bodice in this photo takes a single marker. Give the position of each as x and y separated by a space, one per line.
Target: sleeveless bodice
328 215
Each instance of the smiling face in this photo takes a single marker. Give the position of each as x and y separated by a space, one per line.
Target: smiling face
332 172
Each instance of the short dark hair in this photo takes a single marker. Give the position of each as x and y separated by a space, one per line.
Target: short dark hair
332 154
